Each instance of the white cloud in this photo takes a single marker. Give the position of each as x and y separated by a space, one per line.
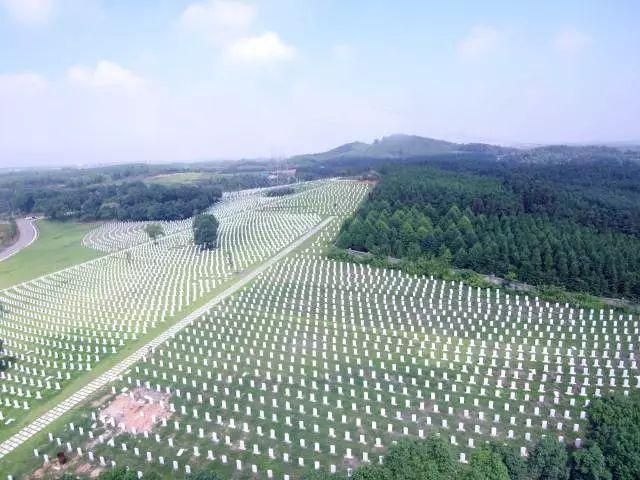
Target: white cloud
480 41
32 12
264 48
570 41
105 74
228 25
218 20
21 83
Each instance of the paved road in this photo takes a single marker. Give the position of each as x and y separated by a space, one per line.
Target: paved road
74 399
27 234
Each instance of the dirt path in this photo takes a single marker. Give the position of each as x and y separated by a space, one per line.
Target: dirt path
27 234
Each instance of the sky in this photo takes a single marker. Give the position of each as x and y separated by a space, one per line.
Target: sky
110 81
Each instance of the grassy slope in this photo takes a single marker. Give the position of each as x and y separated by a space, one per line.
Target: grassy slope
58 246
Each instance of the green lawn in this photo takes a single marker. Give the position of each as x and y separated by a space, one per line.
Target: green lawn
59 245
182 177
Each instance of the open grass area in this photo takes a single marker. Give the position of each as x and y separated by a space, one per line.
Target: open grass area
59 245
182 177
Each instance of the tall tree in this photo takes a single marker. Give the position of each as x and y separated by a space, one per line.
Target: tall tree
205 231
154 231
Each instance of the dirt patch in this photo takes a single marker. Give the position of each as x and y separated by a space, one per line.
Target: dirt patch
95 473
54 470
138 410
88 470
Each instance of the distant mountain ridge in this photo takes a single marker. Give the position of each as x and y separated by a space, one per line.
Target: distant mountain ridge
401 146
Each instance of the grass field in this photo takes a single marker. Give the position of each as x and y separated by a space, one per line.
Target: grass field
59 245
183 177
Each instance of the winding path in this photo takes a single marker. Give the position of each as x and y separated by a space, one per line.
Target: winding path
27 234
112 374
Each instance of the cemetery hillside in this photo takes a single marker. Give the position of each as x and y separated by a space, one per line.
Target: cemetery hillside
333 327
319 240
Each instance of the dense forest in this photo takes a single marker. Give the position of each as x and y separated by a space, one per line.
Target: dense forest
121 201
126 192
574 226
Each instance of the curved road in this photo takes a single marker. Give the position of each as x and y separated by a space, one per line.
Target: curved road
27 234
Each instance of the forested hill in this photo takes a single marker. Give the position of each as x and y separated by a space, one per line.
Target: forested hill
570 225
406 147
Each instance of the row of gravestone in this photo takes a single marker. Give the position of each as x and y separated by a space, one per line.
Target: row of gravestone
124 299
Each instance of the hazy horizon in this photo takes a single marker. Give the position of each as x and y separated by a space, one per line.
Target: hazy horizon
93 82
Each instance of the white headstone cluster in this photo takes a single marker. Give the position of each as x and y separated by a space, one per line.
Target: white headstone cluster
114 236
61 325
324 364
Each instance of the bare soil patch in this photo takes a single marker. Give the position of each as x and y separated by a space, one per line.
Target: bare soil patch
138 410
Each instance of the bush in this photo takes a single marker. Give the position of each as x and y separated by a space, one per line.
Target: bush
614 425
118 473
372 472
516 465
203 475
486 465
421 460
279 192
589 464
548 460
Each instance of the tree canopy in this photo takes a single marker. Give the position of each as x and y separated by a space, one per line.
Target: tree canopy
614 426
486 464
154 231
588 463
574 228
205 231
132 200
549 460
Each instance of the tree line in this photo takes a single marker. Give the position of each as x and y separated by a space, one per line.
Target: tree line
8 232
515 222
122 201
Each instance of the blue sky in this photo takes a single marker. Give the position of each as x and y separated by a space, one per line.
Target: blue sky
90 81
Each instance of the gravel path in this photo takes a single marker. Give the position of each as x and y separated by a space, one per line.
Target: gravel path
27 234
